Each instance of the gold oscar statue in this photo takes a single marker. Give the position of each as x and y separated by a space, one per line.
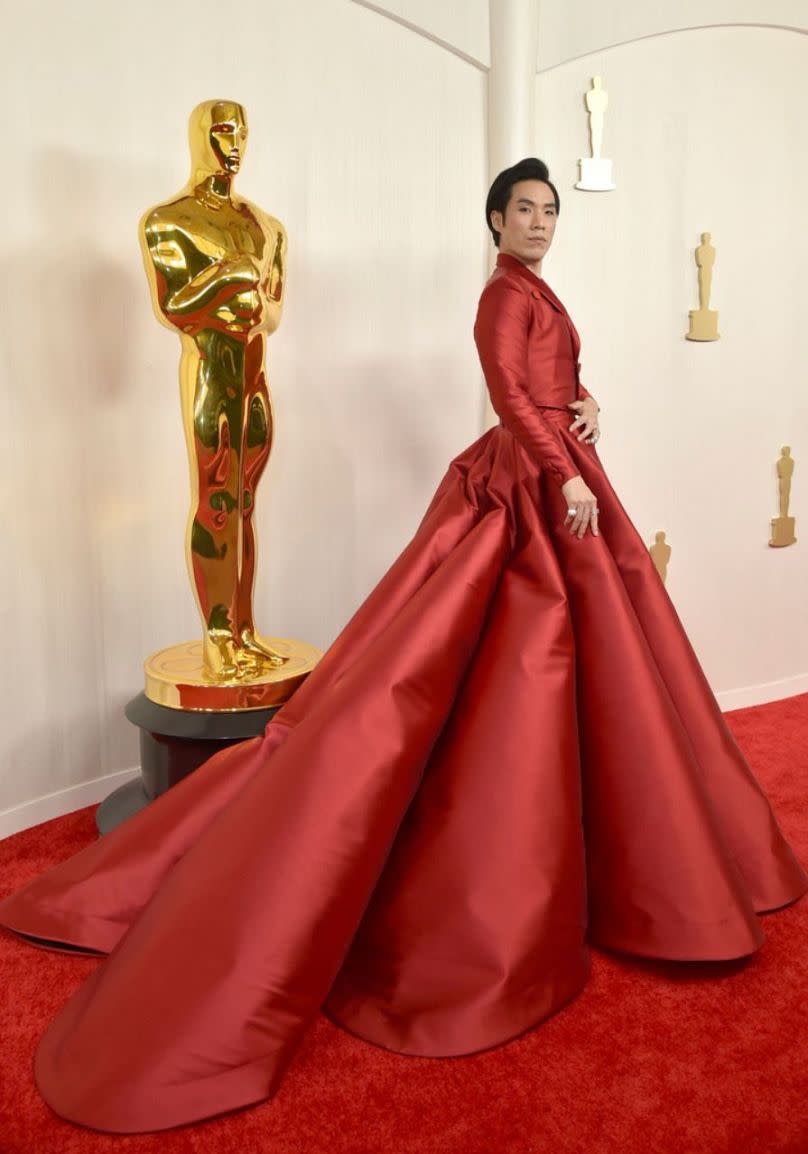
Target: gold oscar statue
783 526
704 320
661 554
216 266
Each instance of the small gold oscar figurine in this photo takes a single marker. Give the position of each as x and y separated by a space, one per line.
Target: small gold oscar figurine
216 266
596 170
704 320
783 526
661 554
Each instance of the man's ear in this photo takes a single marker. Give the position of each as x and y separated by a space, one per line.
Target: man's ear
497 220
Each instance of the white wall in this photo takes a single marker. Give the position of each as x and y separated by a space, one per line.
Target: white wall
704 129
461 26
359 131
569 29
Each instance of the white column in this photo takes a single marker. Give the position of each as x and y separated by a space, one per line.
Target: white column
511 82
511 98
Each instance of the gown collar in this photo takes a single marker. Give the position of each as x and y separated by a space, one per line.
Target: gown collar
506 261
510 264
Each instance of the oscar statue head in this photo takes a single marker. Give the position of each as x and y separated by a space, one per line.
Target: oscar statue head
217 134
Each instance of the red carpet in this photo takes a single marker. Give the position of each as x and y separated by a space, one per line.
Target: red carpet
650 1059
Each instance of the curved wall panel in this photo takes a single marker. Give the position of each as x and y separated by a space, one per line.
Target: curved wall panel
702 130
569 29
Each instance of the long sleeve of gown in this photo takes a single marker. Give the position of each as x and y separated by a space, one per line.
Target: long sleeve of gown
500 333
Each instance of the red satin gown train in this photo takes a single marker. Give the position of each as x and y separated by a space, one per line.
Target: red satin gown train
509 753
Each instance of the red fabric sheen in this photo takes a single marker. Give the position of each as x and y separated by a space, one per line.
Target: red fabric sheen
652 1058
510 754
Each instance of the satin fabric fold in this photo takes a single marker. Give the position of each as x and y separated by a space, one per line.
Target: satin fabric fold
509 754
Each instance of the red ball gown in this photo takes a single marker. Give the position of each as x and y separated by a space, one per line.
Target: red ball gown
509 754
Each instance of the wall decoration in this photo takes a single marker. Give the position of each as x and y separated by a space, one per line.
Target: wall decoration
704 320
596 170
783 526
661 554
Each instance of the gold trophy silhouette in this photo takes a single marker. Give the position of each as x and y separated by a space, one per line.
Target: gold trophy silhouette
661 554
704 320
216 266
783 526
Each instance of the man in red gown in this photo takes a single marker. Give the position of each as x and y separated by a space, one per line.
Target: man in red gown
509 754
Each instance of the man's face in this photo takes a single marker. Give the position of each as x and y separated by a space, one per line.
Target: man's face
527 228
228 135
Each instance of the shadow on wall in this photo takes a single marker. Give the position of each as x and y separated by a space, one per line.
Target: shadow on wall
66 363
362 439
71 741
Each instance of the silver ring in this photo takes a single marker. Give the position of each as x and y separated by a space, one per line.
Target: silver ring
571 511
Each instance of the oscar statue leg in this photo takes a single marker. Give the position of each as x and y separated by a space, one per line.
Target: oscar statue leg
214 521
256 447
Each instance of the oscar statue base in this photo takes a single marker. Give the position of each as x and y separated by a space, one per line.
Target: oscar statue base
596 174
782 532
703 325
175 678
173 743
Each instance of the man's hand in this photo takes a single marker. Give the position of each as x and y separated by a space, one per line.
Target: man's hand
582 506
586 418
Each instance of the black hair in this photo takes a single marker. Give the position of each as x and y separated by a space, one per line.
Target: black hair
531 168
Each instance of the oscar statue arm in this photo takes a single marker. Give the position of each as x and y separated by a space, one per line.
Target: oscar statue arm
176 290
274 284
214 285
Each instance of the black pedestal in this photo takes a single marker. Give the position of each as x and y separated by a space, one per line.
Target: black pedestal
173 743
